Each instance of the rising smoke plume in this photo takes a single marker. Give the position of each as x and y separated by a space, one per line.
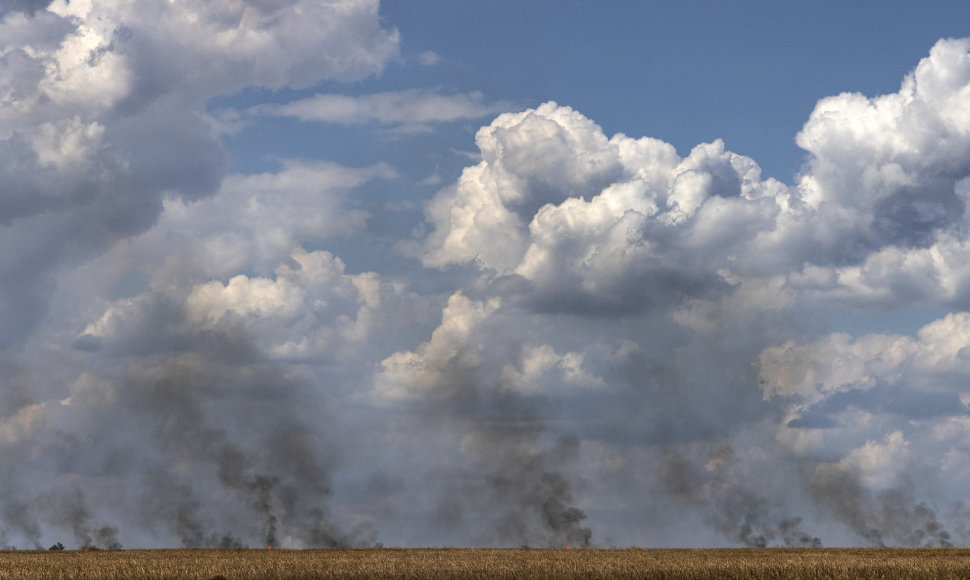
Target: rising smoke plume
731 506
508 474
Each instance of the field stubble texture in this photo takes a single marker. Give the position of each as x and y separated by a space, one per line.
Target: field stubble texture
486 563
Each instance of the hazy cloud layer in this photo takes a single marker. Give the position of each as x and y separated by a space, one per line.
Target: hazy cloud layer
625 342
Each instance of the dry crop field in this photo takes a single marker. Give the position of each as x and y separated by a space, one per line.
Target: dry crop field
486 563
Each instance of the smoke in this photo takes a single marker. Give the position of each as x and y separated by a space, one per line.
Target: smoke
509 472
256 489
71 508
746 511
517 493
730 505
510 479
533 499
174 504
891 517
20 520
281 476
182 423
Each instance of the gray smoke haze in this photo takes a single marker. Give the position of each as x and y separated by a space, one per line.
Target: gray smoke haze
734 505
730 505
509 480
73 510
20 521
521 492
891 517
215 437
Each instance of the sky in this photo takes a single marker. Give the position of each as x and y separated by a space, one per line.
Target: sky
311 273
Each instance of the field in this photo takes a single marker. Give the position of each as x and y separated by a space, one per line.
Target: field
485 563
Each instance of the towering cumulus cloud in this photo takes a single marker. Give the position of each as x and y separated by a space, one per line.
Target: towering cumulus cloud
588 340
680 286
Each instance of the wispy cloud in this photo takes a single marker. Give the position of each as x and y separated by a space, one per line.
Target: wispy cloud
429 58
411 107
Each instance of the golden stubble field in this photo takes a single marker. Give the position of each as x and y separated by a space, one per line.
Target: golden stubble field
487 563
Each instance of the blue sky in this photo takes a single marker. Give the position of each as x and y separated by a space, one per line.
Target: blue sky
432 273
686 73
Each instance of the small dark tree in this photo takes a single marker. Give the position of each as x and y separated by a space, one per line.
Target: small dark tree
57 546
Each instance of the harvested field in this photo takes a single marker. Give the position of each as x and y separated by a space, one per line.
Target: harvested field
486 563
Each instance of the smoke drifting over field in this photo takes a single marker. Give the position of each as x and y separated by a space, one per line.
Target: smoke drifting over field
582 339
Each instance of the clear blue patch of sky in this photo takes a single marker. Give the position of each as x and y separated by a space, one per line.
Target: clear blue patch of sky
686 72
